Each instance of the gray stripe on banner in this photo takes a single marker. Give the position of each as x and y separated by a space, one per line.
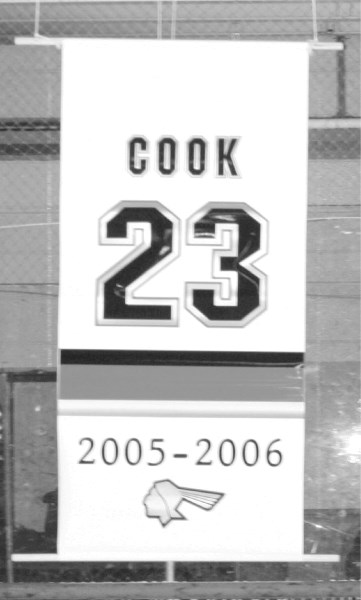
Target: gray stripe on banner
130 382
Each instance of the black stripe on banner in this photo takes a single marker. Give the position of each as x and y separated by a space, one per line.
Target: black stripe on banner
144 357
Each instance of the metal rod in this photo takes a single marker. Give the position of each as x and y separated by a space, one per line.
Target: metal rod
57 41
314 20
37 18
337 46
173 20
169 571
159 19
6 393
341 79
115 557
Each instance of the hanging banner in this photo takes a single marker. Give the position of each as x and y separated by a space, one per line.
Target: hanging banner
183 233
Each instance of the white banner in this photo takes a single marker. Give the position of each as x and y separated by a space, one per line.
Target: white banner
183 232
204 487
183 196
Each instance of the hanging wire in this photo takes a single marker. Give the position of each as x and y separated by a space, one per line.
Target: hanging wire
37 18
314 20
159 19
173 20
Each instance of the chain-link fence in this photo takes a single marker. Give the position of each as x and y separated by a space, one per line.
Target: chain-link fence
29 188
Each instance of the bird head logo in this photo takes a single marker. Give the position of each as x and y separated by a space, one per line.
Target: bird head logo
164 498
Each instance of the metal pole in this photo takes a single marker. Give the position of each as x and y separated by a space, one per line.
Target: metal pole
37 18
341 78
6 400
314 20
173 20
170 571
159 19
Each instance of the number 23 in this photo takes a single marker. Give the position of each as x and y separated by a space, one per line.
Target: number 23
234 297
